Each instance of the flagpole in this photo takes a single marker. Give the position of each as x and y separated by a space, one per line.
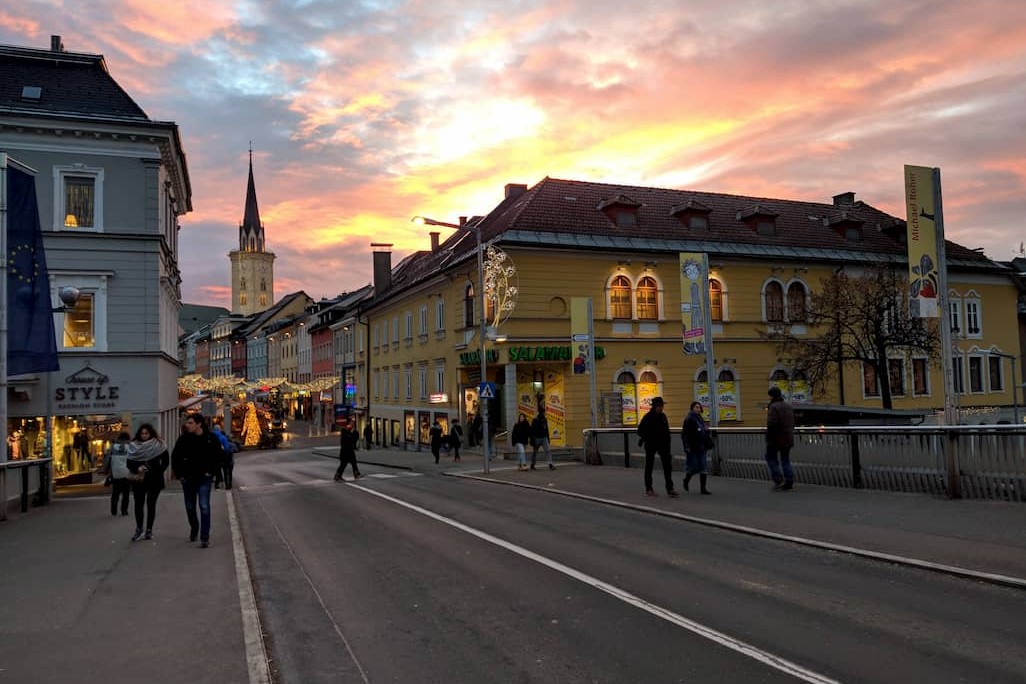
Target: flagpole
3 335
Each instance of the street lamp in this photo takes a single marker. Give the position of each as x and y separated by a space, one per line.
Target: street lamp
69 297
482 402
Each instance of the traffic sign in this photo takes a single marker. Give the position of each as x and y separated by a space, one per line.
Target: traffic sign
486 390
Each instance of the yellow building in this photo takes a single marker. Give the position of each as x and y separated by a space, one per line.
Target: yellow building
619 246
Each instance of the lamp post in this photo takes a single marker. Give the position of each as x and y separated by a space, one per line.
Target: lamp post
481 402
69 297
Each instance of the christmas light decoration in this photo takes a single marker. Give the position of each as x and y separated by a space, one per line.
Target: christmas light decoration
251 426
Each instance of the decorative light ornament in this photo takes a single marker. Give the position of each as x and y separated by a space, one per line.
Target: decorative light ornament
500 285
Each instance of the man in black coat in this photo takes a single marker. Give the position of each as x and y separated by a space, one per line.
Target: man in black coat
197 456
347 451
654 431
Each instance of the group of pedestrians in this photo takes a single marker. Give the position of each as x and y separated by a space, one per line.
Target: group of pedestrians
138 466
534 433
654 436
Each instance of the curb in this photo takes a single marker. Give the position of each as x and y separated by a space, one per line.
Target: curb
952 570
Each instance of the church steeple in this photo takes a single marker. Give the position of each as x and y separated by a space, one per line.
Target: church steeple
251 230
252 264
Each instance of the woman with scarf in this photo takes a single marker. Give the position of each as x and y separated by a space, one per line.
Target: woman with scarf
147 461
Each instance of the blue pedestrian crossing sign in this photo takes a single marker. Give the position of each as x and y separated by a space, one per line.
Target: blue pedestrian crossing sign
486 390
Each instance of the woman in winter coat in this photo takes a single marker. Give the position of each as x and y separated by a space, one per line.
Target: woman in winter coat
147 461
695 434
521 436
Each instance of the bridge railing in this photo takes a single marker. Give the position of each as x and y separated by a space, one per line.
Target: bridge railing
989 461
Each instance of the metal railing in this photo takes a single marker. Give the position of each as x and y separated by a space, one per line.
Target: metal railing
990 461
35 473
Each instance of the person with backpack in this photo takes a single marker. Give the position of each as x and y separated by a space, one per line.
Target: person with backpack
455 438
116 467
228 466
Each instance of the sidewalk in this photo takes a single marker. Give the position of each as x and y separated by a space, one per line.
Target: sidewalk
82 603
983 536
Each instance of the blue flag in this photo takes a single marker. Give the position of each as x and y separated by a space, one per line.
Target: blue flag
31 343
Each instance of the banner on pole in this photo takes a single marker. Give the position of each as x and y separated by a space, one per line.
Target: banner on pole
923 278
694 275
580 334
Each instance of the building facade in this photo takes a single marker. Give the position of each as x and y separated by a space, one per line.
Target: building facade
112 184
620 247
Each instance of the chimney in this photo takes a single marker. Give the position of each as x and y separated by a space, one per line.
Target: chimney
463 221
515 189
434 240
382 266
55 44
845 199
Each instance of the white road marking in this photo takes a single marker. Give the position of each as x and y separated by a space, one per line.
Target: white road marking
256 653
745 649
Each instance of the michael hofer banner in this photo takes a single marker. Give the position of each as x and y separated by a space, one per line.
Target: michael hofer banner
694 275
922 242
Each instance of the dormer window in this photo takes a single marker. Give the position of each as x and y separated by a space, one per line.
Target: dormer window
846 225
760 220
692 214
621 210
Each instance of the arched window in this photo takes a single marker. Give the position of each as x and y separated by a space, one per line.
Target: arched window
797 311
648 299
263 285
468 305
725 375
620 297
716 300
779 375
625 378
649 376
773 296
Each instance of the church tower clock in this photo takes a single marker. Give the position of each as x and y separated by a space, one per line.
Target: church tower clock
252 264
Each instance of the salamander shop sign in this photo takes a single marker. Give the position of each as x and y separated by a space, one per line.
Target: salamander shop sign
522 354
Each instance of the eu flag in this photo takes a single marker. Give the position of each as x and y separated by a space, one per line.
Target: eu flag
31 343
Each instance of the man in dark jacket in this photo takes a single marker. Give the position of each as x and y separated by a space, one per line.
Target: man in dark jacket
347 451
654 431
779 440
540 439
197 456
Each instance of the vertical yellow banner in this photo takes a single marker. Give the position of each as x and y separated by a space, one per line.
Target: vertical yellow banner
694 271
555 411
922 242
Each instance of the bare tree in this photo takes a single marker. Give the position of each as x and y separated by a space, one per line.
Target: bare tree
859 319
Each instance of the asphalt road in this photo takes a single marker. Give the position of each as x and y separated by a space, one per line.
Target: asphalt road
418 577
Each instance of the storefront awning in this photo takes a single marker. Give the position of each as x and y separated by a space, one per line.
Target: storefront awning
191 401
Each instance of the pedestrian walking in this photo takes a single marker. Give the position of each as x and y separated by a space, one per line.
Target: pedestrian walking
197 456
228 465
368 435
779 440
476 430
435 437
521 437
540 439
654 431
347 451
116 467
455 438
147 460
695 435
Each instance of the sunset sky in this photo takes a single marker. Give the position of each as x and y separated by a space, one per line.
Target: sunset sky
364 114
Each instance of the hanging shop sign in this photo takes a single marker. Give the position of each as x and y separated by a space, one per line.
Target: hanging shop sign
86 390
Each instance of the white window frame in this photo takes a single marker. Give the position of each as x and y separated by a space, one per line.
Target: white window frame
904 376
866 395
958 373
408 382
439 314
926 375
1001 373
409 326
969 373
86 283
423 380
59 210
783 303
395 384
423 320
440 378
955 315
972 301
395 330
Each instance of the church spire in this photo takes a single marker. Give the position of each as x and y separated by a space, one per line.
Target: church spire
251 232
